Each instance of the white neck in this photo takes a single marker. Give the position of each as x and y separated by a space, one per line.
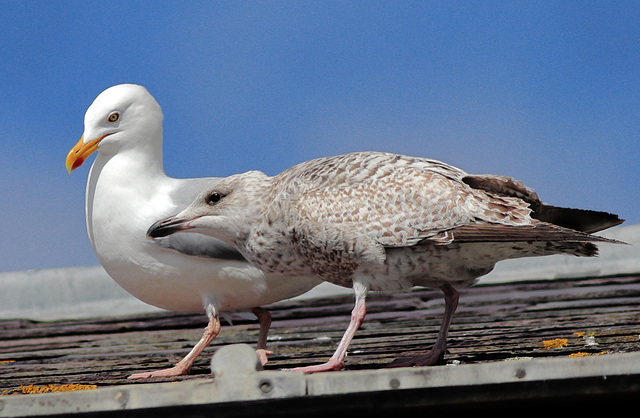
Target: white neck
125 181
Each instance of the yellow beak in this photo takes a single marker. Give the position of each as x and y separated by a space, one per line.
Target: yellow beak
80 152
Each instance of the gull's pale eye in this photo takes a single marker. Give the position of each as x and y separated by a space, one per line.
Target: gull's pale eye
213 198
113 117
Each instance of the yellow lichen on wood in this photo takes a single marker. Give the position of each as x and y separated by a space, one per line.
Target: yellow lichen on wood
55 388
33 389
557 343
583 354
580 354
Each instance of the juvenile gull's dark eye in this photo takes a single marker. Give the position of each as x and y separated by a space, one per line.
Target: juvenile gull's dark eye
213 198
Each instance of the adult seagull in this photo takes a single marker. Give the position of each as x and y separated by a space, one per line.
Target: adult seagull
127 191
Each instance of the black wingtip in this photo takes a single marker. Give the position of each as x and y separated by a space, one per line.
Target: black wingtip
588 221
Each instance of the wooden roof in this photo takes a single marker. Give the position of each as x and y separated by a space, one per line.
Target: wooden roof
542 320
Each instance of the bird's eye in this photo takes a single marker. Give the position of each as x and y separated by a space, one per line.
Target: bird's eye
213 198
113 117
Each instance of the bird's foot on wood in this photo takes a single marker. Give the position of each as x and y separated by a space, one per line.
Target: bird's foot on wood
329 366
262 355
174 371
431 358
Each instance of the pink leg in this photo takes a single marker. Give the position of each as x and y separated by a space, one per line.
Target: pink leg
264 319
336 362
183 367
440 347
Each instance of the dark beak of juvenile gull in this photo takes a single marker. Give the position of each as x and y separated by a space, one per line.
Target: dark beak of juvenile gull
168 226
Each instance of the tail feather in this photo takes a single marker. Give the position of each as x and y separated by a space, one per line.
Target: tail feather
538 231
588 221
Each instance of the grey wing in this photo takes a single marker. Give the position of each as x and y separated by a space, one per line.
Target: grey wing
196 245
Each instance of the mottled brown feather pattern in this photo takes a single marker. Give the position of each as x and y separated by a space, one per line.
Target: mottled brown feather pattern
386 222
395 220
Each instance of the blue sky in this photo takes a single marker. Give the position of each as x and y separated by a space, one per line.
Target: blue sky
548 92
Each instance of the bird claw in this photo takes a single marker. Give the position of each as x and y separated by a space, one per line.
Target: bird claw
262 355
170 372
325 367
428 359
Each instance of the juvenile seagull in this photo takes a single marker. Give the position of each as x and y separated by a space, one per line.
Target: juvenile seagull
127 191
385 222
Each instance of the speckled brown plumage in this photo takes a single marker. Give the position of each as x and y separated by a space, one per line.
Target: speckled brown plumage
381 221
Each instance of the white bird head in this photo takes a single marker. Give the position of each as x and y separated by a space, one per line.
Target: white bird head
125 115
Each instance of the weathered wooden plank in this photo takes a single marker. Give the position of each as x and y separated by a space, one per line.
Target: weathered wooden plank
493 322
